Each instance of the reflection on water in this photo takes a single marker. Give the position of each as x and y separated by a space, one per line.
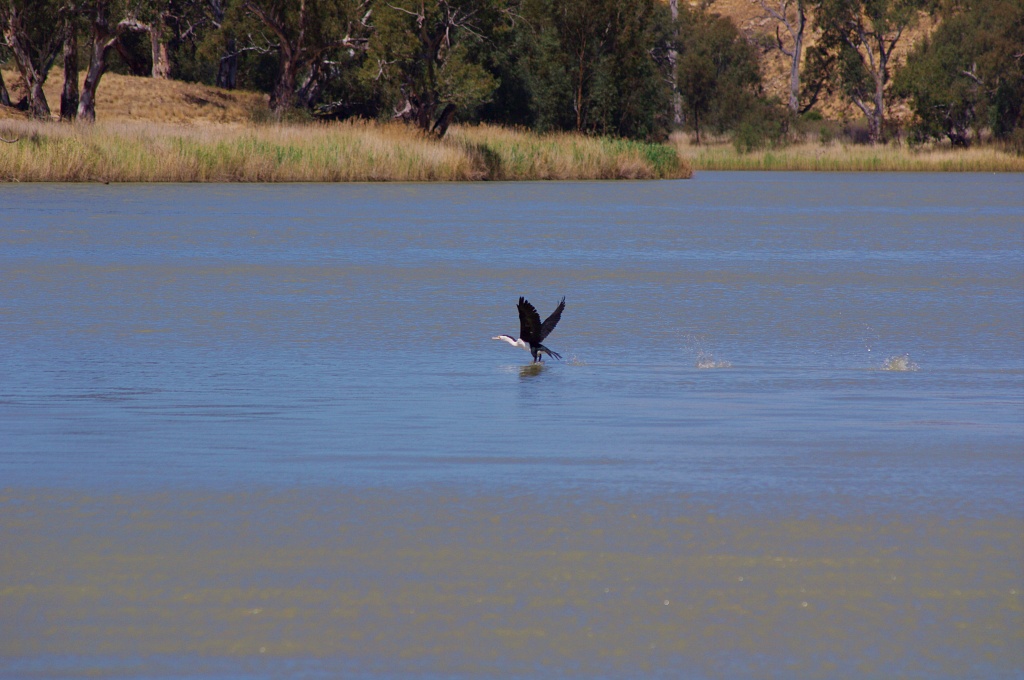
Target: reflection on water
264 430
531 370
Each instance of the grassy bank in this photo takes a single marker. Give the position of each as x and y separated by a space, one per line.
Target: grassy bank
840 157
333 152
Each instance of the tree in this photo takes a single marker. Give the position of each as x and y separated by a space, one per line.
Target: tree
307 33
968 74
791 15
632 91
422 58
227 64
108 22
718 73
857 41
35 39
600 66
69 93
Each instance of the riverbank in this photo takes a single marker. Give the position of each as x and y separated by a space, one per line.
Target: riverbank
317 152
841 156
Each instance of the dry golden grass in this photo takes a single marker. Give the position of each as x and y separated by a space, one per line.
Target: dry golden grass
155 131
151 130
721 155
328 152
130 98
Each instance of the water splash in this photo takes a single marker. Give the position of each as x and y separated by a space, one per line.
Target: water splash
899 362
705 358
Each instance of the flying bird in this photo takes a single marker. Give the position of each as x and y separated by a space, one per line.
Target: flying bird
532 332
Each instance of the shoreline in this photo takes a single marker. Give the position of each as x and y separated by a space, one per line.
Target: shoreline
147 151
838 156
141 151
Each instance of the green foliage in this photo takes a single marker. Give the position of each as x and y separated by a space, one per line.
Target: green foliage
968 74
855 48
764 126
631 96
718 74
307 36
599 66
422 59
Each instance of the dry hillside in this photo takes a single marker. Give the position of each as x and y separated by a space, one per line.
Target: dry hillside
758 27
122 98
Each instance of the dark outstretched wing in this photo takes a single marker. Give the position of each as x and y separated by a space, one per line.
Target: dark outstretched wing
530 328
551 321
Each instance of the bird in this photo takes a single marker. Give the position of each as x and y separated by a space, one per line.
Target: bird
532 332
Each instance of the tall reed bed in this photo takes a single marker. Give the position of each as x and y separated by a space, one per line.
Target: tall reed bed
849 158
336 152
513 154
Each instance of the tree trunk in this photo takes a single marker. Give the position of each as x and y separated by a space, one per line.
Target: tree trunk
5 97
33 76
102 40
879 112
779 11
794 77
673 57
69 95
310 90
227 71
578 95
794 66
283 95
158 46
97 65
444 120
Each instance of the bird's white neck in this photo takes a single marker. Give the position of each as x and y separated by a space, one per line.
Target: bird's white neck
510 340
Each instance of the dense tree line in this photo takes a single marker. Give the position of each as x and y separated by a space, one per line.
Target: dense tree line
630 68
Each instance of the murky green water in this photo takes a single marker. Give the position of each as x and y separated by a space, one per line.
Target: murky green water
263 431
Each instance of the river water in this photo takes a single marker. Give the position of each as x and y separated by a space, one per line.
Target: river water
263 431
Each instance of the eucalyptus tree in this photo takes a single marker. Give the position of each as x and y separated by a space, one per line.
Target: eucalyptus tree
33 34
968 74
227 60
632 94
856 46
69 22
305 35
718 73
792 16
423 58
108 21
601 66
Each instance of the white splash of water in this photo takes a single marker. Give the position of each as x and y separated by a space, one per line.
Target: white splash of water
697 345
900 362
707 360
